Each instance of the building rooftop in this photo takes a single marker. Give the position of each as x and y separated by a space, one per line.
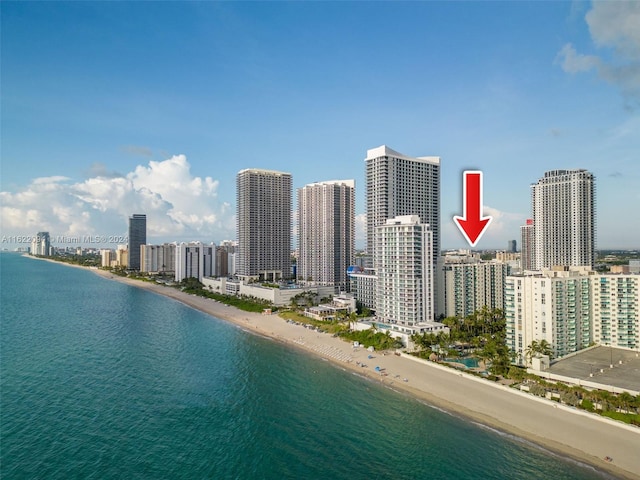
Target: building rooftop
625 373
350 183
263 171
384 151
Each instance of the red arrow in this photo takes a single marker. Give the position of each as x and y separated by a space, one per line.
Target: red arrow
472 224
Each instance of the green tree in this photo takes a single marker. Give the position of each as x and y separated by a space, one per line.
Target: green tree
536 348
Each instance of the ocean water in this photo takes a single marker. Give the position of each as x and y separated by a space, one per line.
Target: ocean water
100 380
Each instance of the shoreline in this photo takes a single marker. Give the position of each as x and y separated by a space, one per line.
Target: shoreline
559 429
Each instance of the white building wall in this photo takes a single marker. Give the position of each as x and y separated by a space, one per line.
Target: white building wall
194 260
276 296
403 265
571 309
616 306
107 256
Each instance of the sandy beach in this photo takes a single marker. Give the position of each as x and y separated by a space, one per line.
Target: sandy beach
585 437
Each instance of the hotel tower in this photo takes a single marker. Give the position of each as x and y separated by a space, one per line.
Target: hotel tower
263 224
563 203
326 232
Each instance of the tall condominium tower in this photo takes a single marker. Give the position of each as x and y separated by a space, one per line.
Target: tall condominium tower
194 260
158 258
263 224
526 245
326 232
402 260
41 244
402 185
137 237
563 204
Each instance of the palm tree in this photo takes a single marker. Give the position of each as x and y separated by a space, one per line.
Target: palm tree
353 319
538 348
488 352
531 350
544 348
625 399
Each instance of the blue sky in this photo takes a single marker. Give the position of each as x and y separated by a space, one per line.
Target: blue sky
110 109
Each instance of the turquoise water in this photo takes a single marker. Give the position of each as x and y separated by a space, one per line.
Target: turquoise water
469 362
100 380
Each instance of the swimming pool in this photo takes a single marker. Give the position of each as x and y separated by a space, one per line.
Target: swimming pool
469 362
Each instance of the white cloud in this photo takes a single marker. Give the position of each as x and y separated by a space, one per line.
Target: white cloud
574 62
617 25
49 180
178 205
614 27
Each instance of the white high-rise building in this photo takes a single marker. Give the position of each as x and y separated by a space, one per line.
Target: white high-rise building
564 219
158 258
571 308
41 244
195 260
326 232
615 301
401 185
107 256
403 264
263 224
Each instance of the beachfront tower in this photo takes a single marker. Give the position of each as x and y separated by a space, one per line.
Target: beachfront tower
137 238
564 218
397 184
403 264
263 224
326 232
41 244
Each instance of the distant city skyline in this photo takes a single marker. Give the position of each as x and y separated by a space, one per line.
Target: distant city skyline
105 120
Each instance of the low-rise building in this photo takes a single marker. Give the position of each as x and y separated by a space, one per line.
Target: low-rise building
343 303
278 296
363 286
